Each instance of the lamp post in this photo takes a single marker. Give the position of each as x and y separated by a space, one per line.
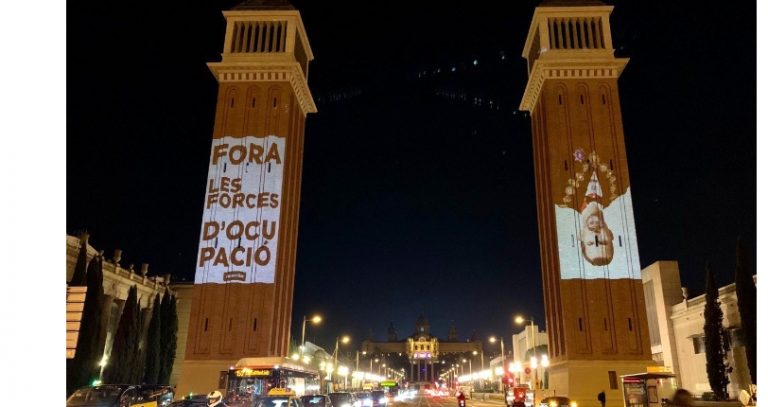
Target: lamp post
545 364
344 372
357 360
315 320
520 320
503 361
344 340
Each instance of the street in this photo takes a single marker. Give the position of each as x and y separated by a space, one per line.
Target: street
445 402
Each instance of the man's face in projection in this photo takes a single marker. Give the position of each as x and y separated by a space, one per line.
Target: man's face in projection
596 238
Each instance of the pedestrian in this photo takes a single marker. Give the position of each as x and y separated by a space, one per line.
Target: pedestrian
601 398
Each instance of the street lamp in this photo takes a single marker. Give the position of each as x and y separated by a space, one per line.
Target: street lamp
344 372
493 339
520 320
344 340
315 320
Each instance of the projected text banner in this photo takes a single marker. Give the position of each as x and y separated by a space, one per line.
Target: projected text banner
241 216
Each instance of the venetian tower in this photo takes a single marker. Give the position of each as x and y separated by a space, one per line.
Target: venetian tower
593 291
243 292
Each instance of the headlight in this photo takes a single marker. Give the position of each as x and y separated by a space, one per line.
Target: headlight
573 404
383 400
346 405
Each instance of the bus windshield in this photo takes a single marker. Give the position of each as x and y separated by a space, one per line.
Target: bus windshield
246 385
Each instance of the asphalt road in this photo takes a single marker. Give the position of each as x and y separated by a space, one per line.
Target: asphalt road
445 402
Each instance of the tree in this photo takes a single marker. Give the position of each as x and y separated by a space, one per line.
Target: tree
137 369
746 297
78 276
169 328
152 345
120 368
83 368
715 339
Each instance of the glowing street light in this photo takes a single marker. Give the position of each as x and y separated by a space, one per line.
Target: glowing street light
315 320
520 320
493 339
344 340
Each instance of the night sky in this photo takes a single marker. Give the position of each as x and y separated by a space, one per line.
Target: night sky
412 202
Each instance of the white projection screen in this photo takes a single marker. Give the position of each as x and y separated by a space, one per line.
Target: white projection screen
241 215
595 224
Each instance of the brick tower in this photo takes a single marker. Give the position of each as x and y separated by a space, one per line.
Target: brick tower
243 292
593 292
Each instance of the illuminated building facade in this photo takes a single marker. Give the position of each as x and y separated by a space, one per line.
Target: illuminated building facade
425 354
243 292
676 324
118 279
593 293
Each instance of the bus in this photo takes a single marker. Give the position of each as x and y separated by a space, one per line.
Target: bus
252 378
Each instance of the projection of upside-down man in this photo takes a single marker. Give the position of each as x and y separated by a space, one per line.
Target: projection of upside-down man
596 231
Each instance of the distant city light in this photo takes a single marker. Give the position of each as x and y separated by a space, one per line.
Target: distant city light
474 62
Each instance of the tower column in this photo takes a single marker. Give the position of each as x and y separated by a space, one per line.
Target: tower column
593 293
244 310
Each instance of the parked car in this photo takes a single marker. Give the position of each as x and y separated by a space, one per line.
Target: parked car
121 395
557 401
317 400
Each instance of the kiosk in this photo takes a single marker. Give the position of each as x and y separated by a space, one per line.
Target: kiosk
650 389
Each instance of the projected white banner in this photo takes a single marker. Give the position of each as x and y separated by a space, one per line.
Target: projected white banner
596 230
241 216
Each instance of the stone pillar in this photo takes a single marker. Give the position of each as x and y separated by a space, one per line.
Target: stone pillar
418 370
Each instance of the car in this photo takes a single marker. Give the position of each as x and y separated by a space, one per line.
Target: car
316 400
379 398
195 401
121 395
557 401
364 399
278 397
342 399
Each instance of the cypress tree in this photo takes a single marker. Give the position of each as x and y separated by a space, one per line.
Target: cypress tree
120 368
78 276
168 337
137 370
152 345
84 367
746 297
715 339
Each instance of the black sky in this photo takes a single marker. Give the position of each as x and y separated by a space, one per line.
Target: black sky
411 202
